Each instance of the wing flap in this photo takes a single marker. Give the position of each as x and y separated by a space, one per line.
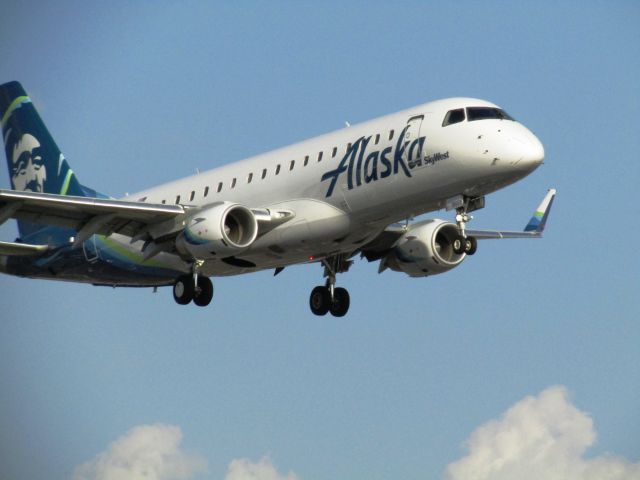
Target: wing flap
103 216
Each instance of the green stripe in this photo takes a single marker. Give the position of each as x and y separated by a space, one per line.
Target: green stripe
12 107
133 256
67 180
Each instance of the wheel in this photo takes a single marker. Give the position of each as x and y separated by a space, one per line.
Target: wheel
341 302
320 300
470 245
458 244
183 290
204 292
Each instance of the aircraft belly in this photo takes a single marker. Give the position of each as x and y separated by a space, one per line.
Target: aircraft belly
98 260
318 230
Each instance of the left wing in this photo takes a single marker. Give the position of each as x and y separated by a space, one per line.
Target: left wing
87 215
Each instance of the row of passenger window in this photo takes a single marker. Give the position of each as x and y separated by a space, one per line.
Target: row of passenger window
263 175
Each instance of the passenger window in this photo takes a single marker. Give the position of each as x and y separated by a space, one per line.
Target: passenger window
320 156
391 135
249 178
206 191
219 187
233 183
377 138
164 201
278 169
306 160
335 150
177 199
453 116
264 173
191 197
292 164
348 146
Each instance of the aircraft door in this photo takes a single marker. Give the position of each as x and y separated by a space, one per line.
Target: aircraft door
413 145
411 155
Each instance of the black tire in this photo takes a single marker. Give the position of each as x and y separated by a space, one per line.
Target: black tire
341 302
204 292
470 245
183 290
320 300
458 244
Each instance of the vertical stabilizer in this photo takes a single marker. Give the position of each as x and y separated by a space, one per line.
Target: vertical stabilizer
34 160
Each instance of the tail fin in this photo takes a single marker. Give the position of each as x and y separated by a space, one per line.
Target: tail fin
34 160
539 219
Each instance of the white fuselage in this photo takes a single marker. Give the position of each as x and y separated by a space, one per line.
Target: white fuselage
346 186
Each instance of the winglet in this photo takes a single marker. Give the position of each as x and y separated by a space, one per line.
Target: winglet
539 219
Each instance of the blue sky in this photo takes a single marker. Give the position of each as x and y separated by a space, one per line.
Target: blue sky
141 93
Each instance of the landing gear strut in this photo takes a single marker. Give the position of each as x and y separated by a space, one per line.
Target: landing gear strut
193 287
329 298
462 243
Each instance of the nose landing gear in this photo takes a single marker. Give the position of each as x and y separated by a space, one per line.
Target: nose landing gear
467 245
329 298
462 243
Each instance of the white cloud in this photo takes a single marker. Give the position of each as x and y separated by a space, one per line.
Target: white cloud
149 452
244 469
539 437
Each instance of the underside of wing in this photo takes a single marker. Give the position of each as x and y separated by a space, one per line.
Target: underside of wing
380 246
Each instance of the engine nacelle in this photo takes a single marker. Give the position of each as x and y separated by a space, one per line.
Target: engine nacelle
219 231
426 249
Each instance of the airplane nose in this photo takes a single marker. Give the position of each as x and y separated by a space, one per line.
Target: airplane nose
528 152
533 152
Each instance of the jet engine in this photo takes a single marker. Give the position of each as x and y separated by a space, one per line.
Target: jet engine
218 231
426 249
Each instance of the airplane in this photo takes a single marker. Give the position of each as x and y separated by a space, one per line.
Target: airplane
324 201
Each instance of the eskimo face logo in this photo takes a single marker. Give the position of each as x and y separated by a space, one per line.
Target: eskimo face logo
27 169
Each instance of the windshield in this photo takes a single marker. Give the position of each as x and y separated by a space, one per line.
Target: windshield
453 116
482 113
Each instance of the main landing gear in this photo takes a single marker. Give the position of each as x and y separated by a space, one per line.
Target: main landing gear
196 288
462 243
329 298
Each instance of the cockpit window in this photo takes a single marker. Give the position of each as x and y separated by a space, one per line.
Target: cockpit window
482 113
453 116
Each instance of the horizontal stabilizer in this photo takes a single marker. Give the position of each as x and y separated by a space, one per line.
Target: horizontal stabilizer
11 248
